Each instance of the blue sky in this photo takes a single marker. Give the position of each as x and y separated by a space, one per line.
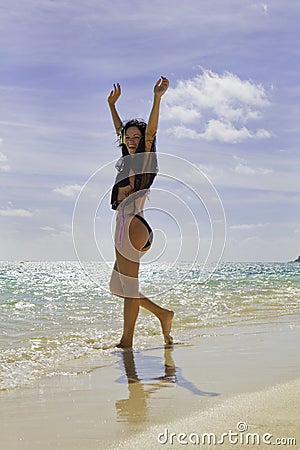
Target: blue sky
232 110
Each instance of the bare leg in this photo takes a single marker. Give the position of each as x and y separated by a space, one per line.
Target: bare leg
131 311
165 317
129 269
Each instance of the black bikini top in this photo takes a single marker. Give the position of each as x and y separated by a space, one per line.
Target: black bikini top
124 166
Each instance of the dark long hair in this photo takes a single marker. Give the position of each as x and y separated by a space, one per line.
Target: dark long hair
146 168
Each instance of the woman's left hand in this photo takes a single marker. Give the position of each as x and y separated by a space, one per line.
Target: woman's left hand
123 193
161 86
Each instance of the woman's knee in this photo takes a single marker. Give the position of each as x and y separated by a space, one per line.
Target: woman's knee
130 286
123 285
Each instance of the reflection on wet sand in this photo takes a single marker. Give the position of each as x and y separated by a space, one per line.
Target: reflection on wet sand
141 385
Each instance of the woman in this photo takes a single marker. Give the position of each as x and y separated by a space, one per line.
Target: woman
137 170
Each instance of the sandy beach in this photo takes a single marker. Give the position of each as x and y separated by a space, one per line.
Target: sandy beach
243 378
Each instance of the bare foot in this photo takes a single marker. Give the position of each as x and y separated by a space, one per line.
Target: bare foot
123 345
166 324
168 340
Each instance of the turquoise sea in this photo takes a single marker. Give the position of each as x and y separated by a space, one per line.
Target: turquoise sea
57 318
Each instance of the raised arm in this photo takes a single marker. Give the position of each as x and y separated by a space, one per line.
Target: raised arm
160 88
112 99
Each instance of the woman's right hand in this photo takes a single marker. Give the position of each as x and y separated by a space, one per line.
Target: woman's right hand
114 94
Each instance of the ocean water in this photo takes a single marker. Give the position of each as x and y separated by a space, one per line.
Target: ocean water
57 318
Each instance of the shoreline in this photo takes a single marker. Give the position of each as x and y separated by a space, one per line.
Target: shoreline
260 419
154 388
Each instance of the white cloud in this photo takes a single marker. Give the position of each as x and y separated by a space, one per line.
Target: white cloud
265 8
185 113
47 228
247 226
64 229
262 7
69 190
243 169
4 167
225 103
16 213
263 134
218 130
182 131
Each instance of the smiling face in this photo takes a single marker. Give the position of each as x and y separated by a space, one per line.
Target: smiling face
132 139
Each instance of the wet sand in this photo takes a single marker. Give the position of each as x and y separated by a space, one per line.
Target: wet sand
239 374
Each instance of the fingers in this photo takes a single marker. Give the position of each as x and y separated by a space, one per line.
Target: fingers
117 88
161 86
165 81
114 93
161 81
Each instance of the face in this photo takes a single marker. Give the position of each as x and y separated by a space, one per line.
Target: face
132 139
